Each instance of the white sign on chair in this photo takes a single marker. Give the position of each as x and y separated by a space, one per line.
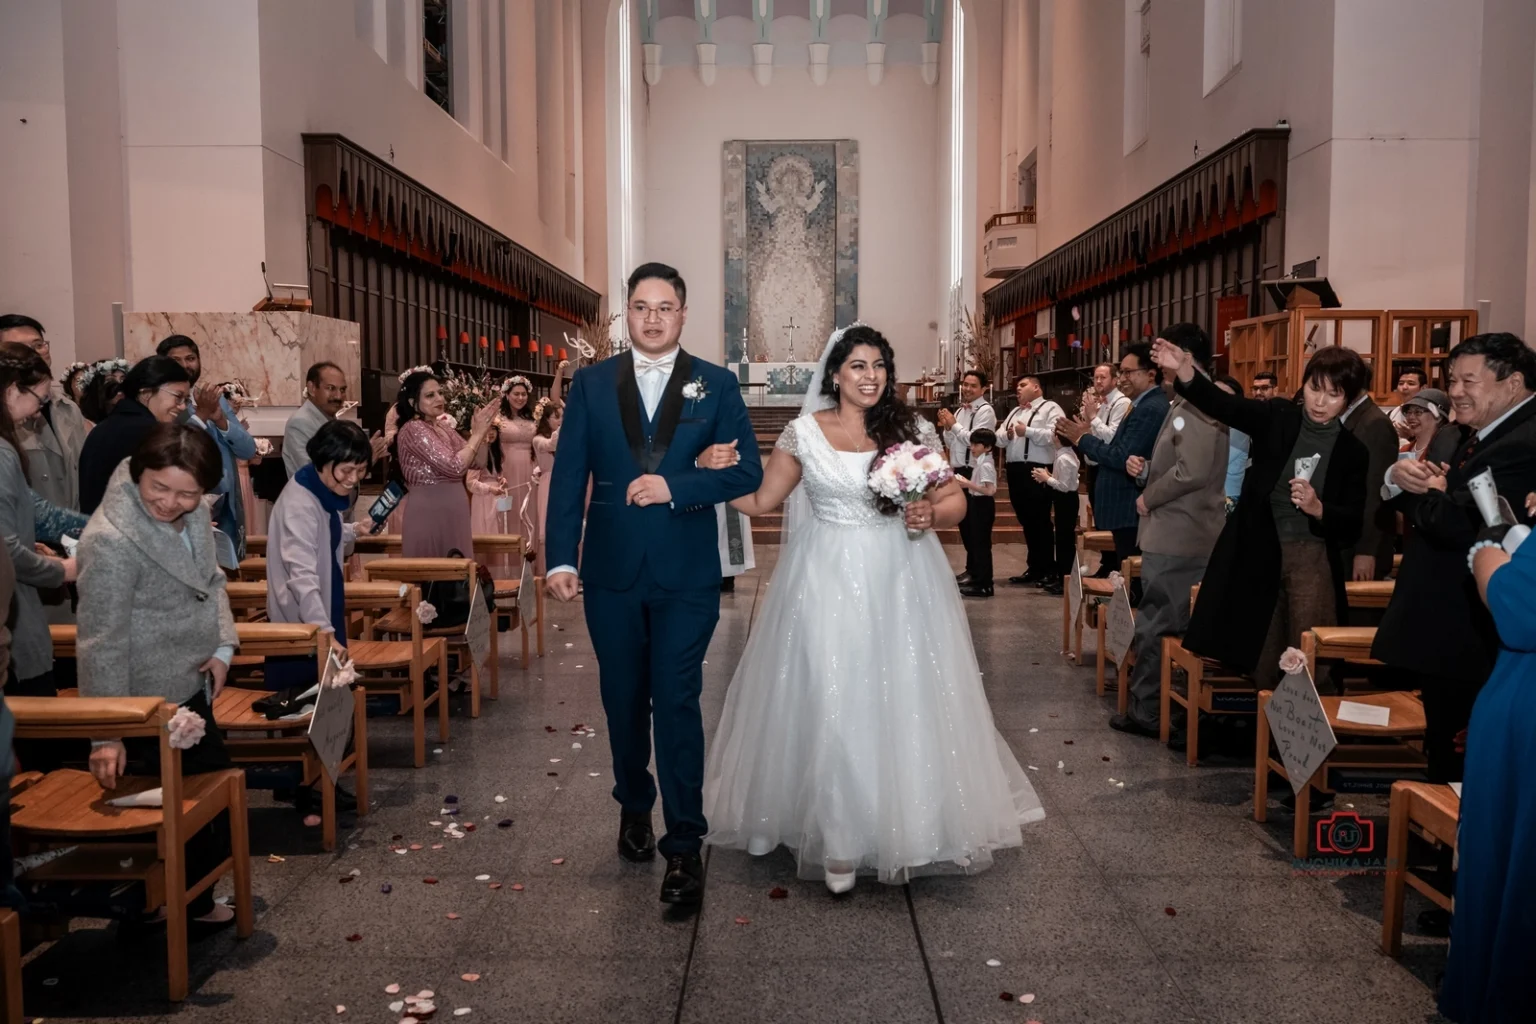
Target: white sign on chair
1300 727
1119 626
330 726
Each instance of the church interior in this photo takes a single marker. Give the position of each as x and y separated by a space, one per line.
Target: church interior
1020 196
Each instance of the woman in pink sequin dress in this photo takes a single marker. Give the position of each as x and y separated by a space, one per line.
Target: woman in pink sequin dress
434 460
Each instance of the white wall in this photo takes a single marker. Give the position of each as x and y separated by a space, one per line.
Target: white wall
34 196
896 125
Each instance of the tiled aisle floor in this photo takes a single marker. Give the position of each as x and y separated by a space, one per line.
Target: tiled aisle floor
1078 917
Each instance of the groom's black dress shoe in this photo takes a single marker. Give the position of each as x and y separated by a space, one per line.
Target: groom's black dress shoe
636 840
684 882
963 578
976 590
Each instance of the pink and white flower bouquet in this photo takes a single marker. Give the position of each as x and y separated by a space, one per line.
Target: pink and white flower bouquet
904 472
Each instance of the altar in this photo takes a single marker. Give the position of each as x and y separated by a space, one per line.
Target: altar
776 380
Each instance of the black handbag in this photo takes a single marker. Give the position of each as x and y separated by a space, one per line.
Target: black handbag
451 597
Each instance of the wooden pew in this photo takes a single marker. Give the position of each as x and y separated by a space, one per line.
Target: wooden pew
1432 811
68 808
399 666
399 621
1389 747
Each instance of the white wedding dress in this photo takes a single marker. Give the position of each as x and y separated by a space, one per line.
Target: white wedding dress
856 728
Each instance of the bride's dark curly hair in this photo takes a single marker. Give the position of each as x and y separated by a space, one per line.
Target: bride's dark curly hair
890 421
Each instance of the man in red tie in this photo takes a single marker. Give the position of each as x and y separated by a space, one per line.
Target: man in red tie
1436 632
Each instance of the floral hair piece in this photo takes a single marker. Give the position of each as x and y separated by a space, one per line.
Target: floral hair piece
513 381
538 410
103 366
73 368
414 369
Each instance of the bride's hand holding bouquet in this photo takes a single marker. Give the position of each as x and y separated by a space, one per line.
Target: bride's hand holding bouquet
904 474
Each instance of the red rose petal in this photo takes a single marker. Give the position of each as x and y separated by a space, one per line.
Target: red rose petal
430 881
778 893
469 977
1006 997
497 885
354 937
451 916
549 728
517 886
469 826
1067 742
743 920
1103 757
344 879
1170 912
558 861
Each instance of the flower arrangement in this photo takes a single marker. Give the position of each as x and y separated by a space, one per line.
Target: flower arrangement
904 472
186 728
263 447
695 389
426 611
463 395
345 674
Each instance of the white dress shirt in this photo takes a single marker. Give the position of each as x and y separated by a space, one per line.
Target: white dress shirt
1112 409
1037 440
984 479
976 415
1064 471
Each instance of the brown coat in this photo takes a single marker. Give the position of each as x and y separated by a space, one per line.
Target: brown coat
1186 479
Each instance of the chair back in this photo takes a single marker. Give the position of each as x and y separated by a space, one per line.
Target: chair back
248 597
386 596
284 639
487 544
420 570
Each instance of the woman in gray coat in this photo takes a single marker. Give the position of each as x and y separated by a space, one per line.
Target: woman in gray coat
24 384
154 617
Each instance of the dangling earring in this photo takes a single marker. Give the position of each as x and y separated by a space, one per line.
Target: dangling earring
834 385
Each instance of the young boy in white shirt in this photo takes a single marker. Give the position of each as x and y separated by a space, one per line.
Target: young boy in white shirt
980 511
1061 478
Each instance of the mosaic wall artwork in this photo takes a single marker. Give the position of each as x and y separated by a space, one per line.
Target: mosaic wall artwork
791 247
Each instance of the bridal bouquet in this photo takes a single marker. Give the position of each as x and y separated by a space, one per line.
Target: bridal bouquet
904 472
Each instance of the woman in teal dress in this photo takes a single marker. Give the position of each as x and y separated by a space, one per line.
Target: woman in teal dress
1493 935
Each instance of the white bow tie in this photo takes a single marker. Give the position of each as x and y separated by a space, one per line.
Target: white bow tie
662 365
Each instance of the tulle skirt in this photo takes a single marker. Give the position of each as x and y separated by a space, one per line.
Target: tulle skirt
856 728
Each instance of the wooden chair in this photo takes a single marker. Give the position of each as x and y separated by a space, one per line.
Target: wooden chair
387 544
1375 748
400 666
1369 593
1132 569
252 738
1433 812
1208 687
252 569
1350 643
10 966
400 622
256 545
506 593
1095 593
68 807
247 599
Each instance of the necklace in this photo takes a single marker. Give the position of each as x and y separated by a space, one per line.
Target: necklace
857 446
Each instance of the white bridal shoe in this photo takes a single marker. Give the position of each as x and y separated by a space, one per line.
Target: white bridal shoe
840 876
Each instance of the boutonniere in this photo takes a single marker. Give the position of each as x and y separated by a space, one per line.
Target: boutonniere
695 389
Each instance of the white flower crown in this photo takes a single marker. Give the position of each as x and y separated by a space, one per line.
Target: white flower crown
512 382
414 369
73 368
538 410
102 366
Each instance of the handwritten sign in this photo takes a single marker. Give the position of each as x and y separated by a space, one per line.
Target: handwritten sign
1300 728
330 727
1075 591
1119 627
527 597
477 631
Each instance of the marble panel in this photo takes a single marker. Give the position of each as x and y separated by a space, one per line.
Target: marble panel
269 352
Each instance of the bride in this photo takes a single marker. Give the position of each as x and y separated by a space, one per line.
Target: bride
856 731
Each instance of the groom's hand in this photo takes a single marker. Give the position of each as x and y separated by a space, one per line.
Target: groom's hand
562 586
648 490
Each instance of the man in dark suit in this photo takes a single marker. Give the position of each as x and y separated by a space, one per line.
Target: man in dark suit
634 427
1371 556
1114 492
1436 631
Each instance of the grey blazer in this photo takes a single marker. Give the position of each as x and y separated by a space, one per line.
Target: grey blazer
151 609
1186 485
32 647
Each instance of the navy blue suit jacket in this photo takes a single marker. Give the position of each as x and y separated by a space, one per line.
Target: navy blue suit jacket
605 438
1115 493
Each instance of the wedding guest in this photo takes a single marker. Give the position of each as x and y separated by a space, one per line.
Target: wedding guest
1030 433
24 386
981 509
155 620
308 539
487 490
1062 478
1237 448
1277 568
9 896
512 460
1493 934
101 388
1436 636
1104 407
1115 493
1265 385
325 395
1370 558
1409 383
1423 416
433 460
72 384
155 391
211 411
546 441
51 437
1182 507
975 413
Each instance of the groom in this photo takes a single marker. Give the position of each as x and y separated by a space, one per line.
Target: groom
634 424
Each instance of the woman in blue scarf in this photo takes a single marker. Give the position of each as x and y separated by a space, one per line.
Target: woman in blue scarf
307 541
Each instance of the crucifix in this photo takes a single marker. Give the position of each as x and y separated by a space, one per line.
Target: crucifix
791 327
